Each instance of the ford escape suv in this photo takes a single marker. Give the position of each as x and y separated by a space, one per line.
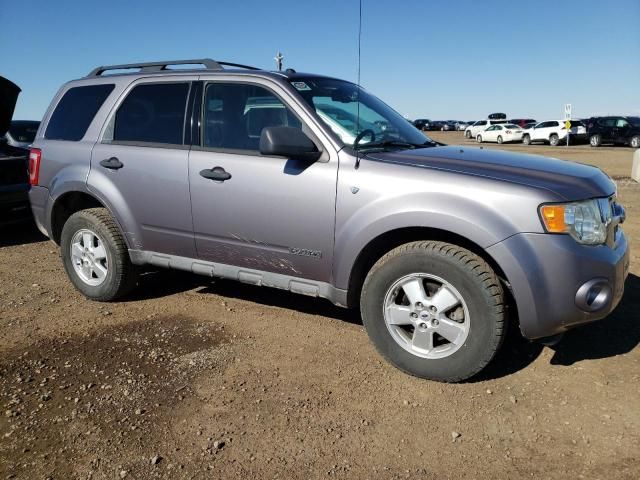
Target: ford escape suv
312 184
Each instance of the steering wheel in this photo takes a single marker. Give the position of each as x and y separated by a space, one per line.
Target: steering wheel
363 134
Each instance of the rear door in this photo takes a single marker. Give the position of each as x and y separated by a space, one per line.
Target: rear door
621 130
272 214
141 166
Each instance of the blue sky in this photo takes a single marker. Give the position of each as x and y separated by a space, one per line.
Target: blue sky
437 59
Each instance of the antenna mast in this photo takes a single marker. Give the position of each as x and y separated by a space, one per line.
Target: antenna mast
358 82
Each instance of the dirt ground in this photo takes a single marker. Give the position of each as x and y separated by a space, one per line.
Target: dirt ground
194 378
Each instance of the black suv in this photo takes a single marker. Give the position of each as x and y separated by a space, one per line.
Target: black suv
616 130
422 124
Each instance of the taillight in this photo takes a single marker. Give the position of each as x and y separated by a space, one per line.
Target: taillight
35 154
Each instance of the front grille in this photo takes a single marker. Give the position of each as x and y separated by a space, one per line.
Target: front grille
13 171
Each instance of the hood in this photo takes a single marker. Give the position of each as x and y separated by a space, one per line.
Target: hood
9 92
573 181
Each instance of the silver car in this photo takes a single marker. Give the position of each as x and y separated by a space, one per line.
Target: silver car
312 184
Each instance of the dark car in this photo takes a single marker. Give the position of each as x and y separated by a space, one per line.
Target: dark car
14 179
522 122
422 123
614 130
21 133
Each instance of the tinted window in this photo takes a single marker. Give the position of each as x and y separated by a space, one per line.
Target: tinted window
75 111
481 122
552 124
621 123
152 113
635 121
607 122
235 114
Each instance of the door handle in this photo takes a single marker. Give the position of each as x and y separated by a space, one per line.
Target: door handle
112 163
218 174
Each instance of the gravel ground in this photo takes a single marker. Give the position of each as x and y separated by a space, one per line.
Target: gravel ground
194 378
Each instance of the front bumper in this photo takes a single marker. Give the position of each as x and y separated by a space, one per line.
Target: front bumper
548 274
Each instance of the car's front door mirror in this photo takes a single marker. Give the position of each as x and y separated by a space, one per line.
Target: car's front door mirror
288 142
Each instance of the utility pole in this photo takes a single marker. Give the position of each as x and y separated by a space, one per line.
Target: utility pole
279 58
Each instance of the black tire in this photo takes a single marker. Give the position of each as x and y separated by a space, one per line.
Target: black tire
475 281
467 134
500 139
121 276
554 140
595 140
479 139
635 141
526 140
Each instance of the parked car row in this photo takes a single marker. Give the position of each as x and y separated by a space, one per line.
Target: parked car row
616 130
440 125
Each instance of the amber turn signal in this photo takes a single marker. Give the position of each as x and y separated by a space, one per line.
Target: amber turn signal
553 216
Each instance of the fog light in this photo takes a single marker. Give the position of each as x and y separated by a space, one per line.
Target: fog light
594 295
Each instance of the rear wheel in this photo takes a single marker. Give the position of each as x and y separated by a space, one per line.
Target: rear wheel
479 139
467 134
526 140
554 140
95 255
500 139
595 140
434 310
635 141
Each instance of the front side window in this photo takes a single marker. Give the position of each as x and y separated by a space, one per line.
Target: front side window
152 113
235 114
358 118
75 111
621 123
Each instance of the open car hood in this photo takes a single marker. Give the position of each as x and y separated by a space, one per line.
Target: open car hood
9 92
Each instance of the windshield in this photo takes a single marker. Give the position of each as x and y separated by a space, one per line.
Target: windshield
23 131
338 104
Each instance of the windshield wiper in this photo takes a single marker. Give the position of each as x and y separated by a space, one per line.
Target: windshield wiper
395 143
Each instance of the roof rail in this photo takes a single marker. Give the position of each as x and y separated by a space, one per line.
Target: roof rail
208 63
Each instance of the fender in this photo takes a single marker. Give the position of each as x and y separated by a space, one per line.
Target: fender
480 209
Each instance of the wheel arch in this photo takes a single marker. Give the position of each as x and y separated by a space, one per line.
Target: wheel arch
65 205
389 240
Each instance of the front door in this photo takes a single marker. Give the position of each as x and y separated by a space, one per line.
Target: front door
265 213
142 166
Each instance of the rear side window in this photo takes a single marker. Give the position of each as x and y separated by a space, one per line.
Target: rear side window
152 113
75 111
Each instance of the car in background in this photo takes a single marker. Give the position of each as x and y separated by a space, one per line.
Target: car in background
529 125
554 132
448 126
502 133
615 130
422 123
460 126
472 130
14 177
21 133
522 122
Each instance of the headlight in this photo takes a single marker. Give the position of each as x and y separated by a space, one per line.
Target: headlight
585 221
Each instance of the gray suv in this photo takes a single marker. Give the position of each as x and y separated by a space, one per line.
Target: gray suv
311 184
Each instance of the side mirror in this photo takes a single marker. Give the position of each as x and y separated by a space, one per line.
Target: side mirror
288 142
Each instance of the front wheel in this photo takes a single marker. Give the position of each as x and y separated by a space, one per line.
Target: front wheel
635 141
526 140
467 134
95 255
434 310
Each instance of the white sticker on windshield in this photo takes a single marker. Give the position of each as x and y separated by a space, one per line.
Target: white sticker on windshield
301 86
